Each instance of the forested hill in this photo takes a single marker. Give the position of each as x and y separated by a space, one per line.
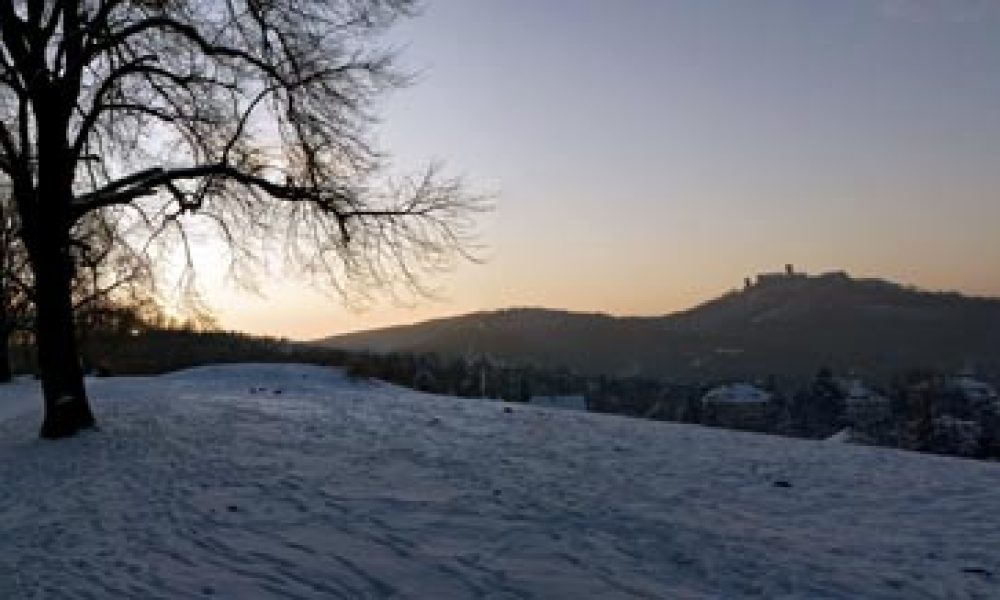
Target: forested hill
783 325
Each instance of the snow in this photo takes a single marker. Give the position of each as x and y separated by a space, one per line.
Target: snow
19 397
736 393
210 483
566 402
975 390
852 387
843 436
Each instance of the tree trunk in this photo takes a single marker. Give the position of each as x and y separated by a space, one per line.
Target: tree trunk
47 224
66 407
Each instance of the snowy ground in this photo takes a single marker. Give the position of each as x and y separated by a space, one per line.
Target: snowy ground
199 487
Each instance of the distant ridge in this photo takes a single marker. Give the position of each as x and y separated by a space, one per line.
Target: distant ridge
781 323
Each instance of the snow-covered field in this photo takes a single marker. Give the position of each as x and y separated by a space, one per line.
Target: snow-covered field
211 483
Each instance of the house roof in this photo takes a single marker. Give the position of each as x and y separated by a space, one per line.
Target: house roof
737 393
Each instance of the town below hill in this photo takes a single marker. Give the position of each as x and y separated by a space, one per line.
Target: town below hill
921 410
824 357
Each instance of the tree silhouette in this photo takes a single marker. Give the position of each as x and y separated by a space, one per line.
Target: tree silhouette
249 116
14 288
111 275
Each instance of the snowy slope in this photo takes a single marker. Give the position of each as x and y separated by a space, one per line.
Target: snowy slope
202 485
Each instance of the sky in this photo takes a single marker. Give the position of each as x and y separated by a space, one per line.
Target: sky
647 155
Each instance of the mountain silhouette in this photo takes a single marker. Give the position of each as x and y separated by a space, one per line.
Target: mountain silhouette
785 324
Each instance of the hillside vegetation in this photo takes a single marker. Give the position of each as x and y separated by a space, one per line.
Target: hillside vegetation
789 326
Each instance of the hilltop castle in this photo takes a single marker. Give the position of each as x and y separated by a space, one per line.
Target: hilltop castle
789 274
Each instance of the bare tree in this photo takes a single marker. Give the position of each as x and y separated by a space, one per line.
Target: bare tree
14 284
111 275
250 115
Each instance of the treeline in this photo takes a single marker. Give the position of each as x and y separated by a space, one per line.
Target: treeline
142 340
920 410
464 378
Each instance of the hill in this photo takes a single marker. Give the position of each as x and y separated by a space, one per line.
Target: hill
290 481
784 324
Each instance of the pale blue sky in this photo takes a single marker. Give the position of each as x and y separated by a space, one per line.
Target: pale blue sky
647 154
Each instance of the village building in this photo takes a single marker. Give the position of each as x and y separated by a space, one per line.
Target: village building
863 408
976 395
961 437
739 406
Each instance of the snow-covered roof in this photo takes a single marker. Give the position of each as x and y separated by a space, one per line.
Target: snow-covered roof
974 389
855 389
842 436
736 393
